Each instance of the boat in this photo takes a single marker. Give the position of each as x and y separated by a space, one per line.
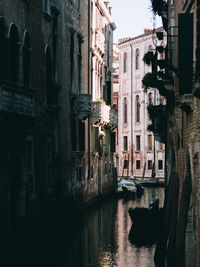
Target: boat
145 181
126 188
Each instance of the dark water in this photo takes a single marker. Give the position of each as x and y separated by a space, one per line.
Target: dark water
100 239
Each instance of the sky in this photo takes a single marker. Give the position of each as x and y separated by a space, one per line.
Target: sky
131 17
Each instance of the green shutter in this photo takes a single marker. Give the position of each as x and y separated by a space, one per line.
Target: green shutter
185 52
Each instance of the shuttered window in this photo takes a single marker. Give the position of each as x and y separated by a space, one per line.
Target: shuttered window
185 52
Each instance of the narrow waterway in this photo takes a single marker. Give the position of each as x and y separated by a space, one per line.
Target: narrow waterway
100 238
103 238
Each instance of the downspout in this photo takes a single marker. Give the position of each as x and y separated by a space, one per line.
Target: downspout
89 69
131 109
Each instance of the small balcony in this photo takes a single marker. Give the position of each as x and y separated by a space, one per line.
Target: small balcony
15 99
100 40
100 113
113 118
84 106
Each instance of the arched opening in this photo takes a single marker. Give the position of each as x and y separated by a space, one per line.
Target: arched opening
150 101
137 54
26 59
3 51
137 108
184 211
14 53
125 62
48 78
125 110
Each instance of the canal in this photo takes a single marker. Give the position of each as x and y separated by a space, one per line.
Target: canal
100 238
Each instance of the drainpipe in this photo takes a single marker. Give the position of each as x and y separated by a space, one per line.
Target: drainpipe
89 69
131 109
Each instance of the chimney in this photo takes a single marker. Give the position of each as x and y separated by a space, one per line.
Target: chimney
146 30
106 3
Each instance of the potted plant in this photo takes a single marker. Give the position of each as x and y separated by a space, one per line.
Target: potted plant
148 57
149 80
161 63
159 6
160 48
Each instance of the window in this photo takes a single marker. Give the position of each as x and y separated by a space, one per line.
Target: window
79 63
137 54
137 142
150 102
137 164
125 110
149 142
48 78
125 143
72 60
125 164
149 164
29 153
160 165
137 108
4 62
14 54
46 6
49 162
125 62
26 59
81 135
162 100
161 146
79 4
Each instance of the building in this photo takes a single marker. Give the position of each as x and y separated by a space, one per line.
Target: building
55 103
140 151
180 86
115 100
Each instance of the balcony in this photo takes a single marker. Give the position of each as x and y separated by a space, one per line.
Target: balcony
100 40
100 113
84 106
187 103
15 99
113 118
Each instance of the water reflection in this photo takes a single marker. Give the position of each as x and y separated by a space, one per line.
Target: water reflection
99 240
104 234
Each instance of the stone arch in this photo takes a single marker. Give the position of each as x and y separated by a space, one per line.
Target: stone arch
14 47
184 213
26 58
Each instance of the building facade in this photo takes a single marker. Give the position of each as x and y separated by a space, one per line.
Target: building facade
139 151
180 86
55 69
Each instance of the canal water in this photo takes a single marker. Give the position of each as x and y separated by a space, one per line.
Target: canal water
100 238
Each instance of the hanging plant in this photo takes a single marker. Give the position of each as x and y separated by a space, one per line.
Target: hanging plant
148 57
159 35
160 48
149 80
150 128
158 6
161 63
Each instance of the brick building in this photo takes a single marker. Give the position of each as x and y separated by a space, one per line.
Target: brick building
180 85
47 82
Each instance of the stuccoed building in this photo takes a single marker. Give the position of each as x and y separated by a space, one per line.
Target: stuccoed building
140 151
55 102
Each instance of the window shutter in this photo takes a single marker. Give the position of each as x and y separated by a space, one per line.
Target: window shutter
185 52
113 136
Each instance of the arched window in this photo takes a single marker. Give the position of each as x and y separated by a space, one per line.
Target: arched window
162 100
137 108
150 101
48 77
125 110
26 59
162 55
125 62
3 51
14 53
137 54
